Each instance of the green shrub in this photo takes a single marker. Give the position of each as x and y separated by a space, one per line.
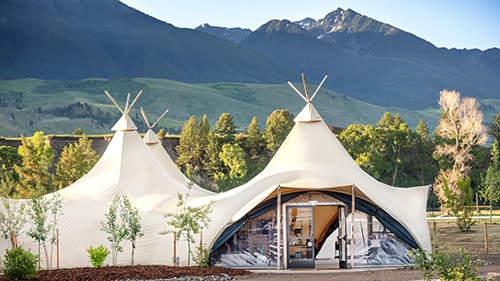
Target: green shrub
202 256
453 266
98 255
20 264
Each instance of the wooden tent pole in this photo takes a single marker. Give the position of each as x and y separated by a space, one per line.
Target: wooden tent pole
57 248
175 249
353 206
278 228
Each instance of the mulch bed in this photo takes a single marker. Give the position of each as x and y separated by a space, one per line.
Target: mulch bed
112 273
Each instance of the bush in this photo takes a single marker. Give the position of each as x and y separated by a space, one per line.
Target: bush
202 256
98 255
20 264
453 266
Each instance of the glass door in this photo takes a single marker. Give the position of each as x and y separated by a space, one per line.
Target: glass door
300 236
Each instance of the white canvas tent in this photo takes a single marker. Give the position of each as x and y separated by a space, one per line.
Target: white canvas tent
311 159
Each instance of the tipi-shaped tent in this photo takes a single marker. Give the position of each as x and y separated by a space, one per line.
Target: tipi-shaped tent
312 178
161 154
127 167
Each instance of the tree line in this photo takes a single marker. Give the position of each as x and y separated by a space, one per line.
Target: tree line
452 159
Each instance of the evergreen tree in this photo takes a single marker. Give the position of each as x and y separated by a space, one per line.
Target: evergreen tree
34 175
392 140
225 127
425 165
211 163
254 141
494 128
9 157
254 144
76 160
189 155
278 125
490 191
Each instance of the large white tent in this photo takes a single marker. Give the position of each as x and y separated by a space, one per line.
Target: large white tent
311 161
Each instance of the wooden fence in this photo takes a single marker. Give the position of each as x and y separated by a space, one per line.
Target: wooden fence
482 238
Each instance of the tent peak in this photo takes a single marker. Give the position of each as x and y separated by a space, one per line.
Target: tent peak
124 123
309 113
306 96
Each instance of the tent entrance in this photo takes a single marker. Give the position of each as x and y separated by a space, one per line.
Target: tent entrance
308 226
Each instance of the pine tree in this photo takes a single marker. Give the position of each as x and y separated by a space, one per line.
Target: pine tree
225 128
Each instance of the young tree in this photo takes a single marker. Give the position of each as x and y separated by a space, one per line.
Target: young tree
34 175
130 216
12 220
115 228
76 160
43 228
187 221
278 125
123 222
459 131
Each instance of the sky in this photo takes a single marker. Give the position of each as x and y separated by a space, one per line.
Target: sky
458 24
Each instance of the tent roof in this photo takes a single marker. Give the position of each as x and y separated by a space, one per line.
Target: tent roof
312 158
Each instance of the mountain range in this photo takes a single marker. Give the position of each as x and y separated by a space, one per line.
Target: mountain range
367 60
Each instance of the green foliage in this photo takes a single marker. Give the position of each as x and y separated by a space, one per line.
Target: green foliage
78 132
225 125
187 221
115 228
34 175
98 255
233 157
202 256
76 161
20 264
130 216
254 141
391 152
460 204
123 222
454 266
490 191
190 150
161 133
13 220
278 125
42 228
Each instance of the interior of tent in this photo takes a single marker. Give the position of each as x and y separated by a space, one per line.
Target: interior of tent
311 206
